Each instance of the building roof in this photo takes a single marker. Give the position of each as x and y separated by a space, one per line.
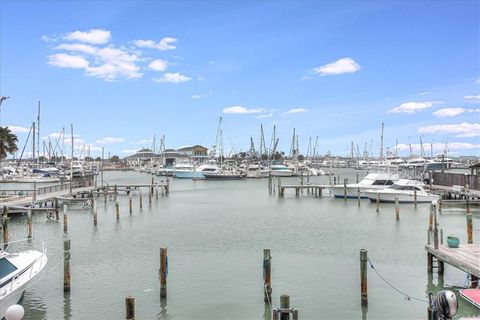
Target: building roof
189 148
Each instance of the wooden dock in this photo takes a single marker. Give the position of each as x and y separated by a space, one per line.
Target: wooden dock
314 189
466 257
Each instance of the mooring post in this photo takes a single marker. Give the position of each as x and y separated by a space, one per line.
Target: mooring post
56 206
150 197
363 276
377 203
141 199
117 209
5 227
397 208
130 307
345 189
130 202
66 265
356 176
65 218
270 182
167 188
267 280
441 236
34 190
279 186
435 225
94 212
163 272
156 192
430 219
429 262
151 187
415 199
29 224
469 228
334 180
358 195
105 194
284 307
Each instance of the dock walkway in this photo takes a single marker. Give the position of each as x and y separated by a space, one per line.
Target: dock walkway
466 257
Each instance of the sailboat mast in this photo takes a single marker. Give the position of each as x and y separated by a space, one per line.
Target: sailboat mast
38 135
381 145
33 144
71 160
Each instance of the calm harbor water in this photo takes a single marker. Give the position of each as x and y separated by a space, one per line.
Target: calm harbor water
215 232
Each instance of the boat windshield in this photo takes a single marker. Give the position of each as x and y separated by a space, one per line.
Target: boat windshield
382 183
400 187
6 267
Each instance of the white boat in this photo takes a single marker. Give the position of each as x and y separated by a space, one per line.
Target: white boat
37 178
257 171
16 271
404 189
370 181
281 170
190 171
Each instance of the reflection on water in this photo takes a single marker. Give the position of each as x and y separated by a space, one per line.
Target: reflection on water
67 308
37 309
163 314
267 314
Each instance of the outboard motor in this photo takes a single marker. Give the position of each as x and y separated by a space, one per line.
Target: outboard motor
445 305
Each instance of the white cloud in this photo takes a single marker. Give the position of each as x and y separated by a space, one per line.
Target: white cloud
78 47
344 65
449 112
115 63
158 65
263 116
173 78
475 99
464 129
110 140
424 93
202 95
163 44
412 107
452 112
62 60
297 110
241 110
93 36
18 129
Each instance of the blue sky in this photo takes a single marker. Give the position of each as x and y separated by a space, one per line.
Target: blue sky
123 71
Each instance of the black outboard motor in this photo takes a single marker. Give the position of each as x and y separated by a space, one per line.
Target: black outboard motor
445 305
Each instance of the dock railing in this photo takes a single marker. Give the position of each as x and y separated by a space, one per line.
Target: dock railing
456 179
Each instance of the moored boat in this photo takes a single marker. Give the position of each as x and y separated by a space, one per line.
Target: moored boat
405 189
370 181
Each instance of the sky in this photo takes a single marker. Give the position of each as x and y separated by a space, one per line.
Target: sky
124 72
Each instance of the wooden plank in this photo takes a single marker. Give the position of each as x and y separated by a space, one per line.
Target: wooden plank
465 257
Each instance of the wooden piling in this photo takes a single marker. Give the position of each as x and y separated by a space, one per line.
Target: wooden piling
151 188
284 307
130 202
267 280
334 180
65 218
415 199
397 208
56 206
345 189
5 227
156 193
117 210
363 276
66 266
94 213
149 197
358 195
115 189
430 219
429 262
270 183
130 308
29 224
467 204
163 272
377 203
469 228
435 225
356 176
141 200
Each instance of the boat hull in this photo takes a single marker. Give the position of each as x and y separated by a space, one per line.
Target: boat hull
338 191
402 197
217 176
188 174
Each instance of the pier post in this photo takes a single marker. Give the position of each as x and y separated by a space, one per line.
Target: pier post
270 183
363 276
334 180
284 307
34 190
345 189
117 210
151 187
469 228
56 206
435 225
377 204
167 187
415 199
279 186
358 195
356 176
429 262
473 281
141 200
115 189
95 212
29 224
130 202
65 218
105 194
397 208
267 280
156 193
430 219
5 227
130 307
150 197
66 266
441 236
163 272
441 267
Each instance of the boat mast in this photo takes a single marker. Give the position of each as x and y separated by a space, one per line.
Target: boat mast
71 160
381 145
38 135
33 144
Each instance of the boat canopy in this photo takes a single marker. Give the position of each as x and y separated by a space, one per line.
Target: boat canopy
6 267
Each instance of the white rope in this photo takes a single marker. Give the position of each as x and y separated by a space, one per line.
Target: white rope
268 297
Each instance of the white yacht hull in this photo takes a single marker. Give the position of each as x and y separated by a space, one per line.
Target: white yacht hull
258 174
338 191
282 173
403 197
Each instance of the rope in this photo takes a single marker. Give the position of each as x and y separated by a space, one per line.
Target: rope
268 297
47 272
407 296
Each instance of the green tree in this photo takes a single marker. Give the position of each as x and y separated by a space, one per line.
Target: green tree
8 142
114 159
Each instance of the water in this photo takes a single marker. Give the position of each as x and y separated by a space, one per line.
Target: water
215 232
